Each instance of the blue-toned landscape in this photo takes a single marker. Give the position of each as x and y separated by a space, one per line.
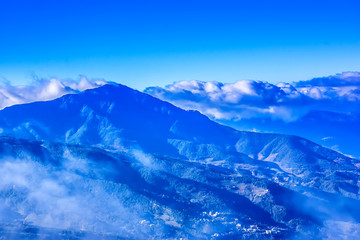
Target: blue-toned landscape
113 162
179 120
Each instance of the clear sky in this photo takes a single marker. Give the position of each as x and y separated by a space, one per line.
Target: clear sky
148 43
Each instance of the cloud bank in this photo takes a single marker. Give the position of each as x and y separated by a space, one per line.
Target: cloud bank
43 90
246 99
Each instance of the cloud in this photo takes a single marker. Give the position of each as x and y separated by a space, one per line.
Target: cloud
248 98
43 90
338 80
64 197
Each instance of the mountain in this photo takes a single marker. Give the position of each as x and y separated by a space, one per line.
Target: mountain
338 131
328 104
112 116
113 162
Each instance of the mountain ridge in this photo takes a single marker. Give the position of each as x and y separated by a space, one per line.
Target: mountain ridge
168 161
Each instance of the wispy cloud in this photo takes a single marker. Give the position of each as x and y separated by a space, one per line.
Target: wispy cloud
65 197
43 90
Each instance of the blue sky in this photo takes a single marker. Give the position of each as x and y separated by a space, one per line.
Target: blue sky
148 43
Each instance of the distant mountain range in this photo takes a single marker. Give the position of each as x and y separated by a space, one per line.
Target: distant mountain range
324 110
113 163
338 131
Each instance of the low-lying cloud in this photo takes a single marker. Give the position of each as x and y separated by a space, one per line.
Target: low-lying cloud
246 99
68 196
43 90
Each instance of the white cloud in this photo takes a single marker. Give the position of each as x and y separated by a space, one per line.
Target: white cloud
43 90
337 80
62 198
247 99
